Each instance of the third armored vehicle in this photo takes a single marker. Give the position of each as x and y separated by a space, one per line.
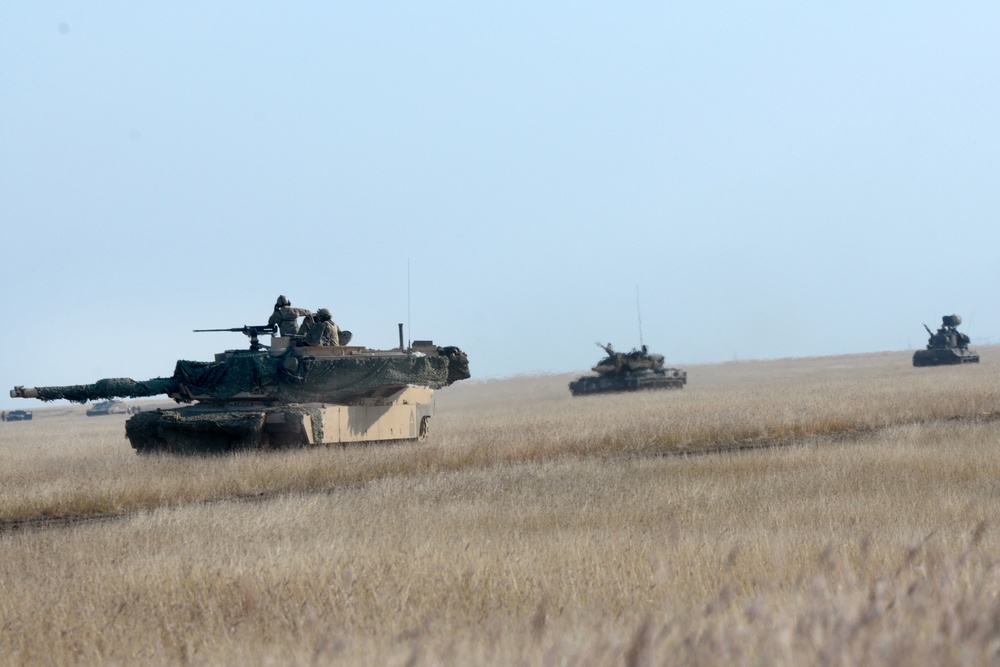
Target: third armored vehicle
283 394
946 346
628 371
111 407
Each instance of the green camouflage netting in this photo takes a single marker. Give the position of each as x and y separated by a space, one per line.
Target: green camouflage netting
331 378
109 388
243 372
313 379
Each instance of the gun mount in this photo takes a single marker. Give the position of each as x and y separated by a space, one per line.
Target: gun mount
946 346
280 395
252 331
628 371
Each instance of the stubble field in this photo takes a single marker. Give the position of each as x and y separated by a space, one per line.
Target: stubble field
836 510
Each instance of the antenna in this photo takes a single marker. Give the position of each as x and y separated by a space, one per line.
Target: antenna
408 327
639 313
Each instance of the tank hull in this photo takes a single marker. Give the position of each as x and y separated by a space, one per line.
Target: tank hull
667 378
944 357
400 415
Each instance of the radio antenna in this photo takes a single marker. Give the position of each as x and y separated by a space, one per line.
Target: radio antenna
638 312
408 327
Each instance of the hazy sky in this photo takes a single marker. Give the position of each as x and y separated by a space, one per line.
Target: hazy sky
520 179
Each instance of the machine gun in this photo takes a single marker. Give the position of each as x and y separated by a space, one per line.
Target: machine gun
251 331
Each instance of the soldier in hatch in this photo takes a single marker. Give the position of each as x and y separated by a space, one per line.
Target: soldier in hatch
323 331
307 322
286 317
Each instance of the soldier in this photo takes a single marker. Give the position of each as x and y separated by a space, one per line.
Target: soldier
285 316
323 331
307 322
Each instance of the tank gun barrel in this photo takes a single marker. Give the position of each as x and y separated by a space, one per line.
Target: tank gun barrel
100 390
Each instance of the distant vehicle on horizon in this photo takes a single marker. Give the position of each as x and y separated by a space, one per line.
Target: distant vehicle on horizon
112 407
946 346
628 371
17 415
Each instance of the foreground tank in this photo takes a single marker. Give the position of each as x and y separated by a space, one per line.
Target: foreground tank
282 395
631 371
946 346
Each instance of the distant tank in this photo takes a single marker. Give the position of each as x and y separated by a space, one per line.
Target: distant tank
285 394
111 407
628 371
17 416
946 346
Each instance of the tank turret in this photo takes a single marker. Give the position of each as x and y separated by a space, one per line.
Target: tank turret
628 371
283 394
946 346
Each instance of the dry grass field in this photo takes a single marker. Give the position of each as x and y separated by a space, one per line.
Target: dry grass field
833 511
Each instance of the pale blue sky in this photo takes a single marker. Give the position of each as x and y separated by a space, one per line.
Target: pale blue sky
782 179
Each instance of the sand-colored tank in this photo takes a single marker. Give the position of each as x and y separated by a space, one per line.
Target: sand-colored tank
281 395
628 371
946 346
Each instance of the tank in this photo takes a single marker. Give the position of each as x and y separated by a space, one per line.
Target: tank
628 371
286 394
946 346
111 407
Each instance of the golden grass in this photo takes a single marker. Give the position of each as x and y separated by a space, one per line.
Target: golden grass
535 528
743 404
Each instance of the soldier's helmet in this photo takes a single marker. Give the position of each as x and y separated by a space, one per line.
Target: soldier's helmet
282 301
324 314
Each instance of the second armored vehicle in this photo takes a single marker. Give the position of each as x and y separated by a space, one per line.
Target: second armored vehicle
111 407
946 346
628 371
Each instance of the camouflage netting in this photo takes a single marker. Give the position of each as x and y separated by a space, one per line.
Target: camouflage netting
345 376
244 372
458 364
313 380
107 389
286 379
180 431
217 430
